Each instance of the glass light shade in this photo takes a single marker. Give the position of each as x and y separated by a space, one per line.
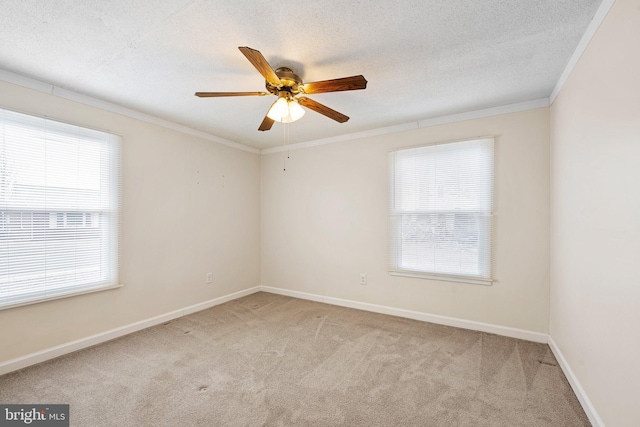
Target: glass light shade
295 110
279 110
285 111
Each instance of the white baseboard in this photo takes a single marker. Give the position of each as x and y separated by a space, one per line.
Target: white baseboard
416 315
539 337
588 407
50 353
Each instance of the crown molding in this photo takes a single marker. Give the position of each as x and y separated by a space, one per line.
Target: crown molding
40 86
453 118
341 138
31 83
486 112
595 23
50 89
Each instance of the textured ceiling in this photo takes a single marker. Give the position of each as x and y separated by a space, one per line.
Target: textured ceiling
422 58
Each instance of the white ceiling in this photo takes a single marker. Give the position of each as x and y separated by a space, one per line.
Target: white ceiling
422 58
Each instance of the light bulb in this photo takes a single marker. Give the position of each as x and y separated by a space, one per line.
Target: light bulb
279 110
285 111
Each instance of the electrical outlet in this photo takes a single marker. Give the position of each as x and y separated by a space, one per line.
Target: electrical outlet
363 279
209 278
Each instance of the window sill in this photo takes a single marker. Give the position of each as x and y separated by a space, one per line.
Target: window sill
60 296
445 278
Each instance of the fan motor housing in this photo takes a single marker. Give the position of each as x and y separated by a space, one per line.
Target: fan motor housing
291 82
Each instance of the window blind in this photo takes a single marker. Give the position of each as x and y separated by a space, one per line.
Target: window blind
441 210
59 209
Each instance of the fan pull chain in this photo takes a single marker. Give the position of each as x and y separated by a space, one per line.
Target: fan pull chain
286 145
288 139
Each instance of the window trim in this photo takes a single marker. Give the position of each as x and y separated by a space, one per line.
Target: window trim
98 288
441 277
393 269
114 140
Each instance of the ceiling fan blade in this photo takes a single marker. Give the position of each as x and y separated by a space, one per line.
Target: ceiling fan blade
322 109
266 124
218 94
261 64
336 85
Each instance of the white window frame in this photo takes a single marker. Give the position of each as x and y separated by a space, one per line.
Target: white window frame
484 273
37 282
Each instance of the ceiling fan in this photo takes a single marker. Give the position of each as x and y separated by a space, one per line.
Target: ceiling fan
289 88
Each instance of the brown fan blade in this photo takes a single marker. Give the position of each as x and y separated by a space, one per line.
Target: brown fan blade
322 109
261 64
336 85
217 94
266 124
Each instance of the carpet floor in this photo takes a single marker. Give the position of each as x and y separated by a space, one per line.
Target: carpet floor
272 360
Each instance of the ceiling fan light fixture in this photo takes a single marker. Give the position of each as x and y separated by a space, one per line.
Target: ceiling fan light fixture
285 111
286 85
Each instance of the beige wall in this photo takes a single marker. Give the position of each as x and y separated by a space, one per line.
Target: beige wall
193 206
324 221
181 219
595 282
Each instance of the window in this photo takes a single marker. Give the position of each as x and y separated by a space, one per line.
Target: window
441 211
59 209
